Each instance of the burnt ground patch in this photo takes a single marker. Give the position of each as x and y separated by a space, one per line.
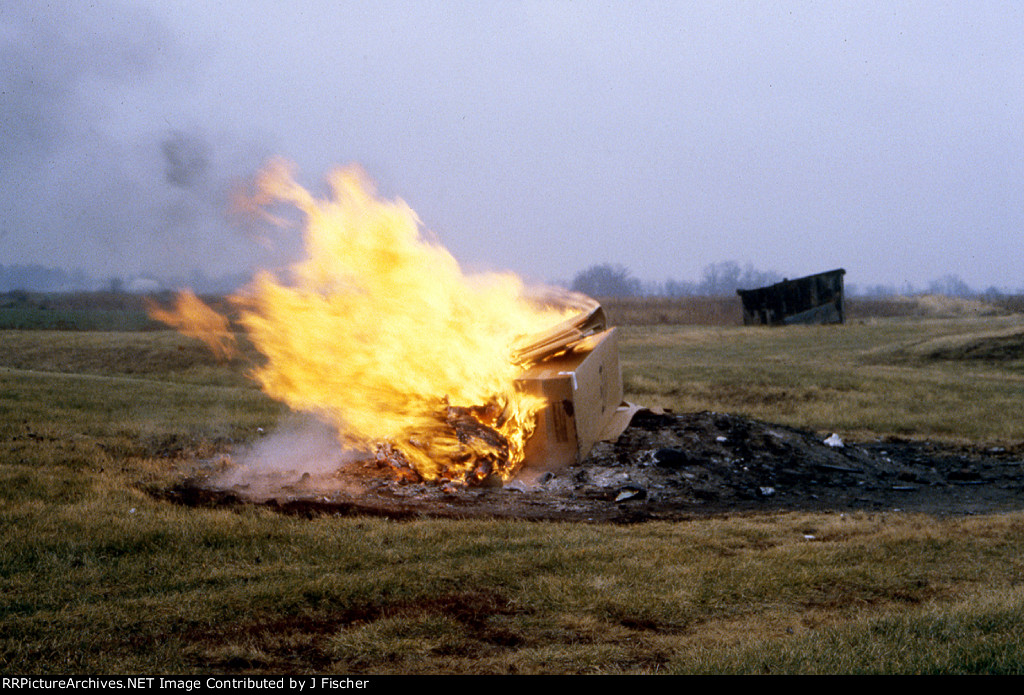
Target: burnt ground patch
668 466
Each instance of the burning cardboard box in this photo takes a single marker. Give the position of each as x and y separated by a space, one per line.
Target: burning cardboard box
379 333
575 368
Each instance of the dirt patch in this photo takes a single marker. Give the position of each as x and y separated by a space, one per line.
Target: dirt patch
667 466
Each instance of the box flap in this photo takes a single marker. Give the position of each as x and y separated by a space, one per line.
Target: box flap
619 421
536 347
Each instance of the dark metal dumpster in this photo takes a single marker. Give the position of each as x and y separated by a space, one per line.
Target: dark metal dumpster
812 299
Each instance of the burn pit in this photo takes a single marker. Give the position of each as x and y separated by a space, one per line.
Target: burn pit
377 331
437 406
478 450
664 466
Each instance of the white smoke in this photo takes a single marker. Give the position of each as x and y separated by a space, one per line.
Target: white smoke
303 457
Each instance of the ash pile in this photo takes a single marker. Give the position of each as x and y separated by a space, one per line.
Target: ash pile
714 463
673 466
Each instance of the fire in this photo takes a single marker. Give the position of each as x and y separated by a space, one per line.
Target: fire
379 332
196 320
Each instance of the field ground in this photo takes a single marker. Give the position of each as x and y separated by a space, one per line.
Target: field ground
98 576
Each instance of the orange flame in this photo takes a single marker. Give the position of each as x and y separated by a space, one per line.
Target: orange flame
197 320
379 332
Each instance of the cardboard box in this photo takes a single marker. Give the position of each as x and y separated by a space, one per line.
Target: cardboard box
583 387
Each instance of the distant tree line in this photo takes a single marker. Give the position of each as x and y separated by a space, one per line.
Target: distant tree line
717 279
602 280
725 277
38 278
948 285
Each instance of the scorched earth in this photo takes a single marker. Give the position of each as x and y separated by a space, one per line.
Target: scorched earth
664 466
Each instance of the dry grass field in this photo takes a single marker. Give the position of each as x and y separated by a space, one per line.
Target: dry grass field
99 576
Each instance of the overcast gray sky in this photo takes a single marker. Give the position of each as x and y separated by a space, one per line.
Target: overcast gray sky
541 137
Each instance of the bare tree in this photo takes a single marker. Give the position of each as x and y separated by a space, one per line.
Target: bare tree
951 286
606 281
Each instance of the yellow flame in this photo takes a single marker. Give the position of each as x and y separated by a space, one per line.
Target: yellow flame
378 331
197 320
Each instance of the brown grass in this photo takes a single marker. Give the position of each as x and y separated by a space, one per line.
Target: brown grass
661 311
728 310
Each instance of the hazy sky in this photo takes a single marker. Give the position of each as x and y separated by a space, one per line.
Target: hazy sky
541 137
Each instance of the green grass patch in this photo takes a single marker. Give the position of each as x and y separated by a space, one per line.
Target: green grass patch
75 311
31 318
96 575
864 379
